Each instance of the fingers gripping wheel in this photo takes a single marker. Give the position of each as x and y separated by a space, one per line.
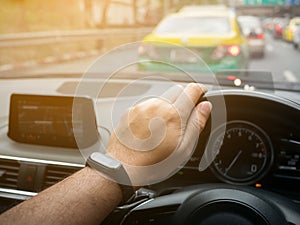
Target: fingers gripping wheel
228 206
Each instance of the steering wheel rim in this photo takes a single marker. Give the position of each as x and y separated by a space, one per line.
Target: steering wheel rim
194 204
228 205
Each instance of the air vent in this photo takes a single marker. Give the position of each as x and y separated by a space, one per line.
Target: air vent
54 174
9 171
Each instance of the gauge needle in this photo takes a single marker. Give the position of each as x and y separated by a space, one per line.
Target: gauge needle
233 162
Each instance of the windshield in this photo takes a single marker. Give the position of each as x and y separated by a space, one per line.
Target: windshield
194 25
47 39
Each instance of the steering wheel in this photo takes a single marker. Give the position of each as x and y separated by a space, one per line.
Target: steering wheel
210 204
218 204
225 204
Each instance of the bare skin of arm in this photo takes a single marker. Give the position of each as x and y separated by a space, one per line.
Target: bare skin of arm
83 198
87 197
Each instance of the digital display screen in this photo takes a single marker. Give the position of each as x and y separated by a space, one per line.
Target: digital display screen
52 120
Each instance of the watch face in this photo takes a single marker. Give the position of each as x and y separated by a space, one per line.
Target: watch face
114 171
105 161
110 167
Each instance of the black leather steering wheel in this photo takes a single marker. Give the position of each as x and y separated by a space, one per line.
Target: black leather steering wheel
220 203
211 204
225 204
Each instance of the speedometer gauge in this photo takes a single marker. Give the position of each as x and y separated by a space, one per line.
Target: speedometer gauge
243 154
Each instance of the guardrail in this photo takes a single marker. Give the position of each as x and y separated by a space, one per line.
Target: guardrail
22 50
42 38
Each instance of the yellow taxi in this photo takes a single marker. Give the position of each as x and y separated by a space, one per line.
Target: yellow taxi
213 36
288 33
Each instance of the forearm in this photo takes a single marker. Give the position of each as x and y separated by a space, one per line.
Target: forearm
84 198
87 197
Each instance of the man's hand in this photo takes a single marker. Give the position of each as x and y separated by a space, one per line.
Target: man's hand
165 130
150 132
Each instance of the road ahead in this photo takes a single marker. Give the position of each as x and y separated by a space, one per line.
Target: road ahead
280 58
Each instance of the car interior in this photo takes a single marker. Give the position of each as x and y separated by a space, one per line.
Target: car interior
37 150
244 169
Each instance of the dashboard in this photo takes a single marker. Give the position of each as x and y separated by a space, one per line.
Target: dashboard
256 146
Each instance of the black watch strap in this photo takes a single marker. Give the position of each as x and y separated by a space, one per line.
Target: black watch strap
114 170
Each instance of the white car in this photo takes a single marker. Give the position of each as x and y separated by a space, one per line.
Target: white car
296 39
253 30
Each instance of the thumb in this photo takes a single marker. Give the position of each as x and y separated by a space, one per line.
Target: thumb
197 121
195 125
203 111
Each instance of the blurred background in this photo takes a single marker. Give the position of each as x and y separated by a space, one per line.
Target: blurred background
34 33
35 15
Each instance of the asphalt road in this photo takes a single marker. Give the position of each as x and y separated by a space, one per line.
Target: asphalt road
280 58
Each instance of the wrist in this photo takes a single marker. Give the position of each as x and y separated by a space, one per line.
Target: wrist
101 180
112 170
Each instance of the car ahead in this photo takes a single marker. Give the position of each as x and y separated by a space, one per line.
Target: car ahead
289 30
213 37
279 24
253 30
296 37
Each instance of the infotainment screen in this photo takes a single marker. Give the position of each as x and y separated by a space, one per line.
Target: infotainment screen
52 120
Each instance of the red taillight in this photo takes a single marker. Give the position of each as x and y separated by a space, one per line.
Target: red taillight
222 51
278 27
234 50
231 77
261 36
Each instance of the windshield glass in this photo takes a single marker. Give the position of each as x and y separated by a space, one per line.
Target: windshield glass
194 25
47 39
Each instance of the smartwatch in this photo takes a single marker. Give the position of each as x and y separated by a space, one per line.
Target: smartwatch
114 170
